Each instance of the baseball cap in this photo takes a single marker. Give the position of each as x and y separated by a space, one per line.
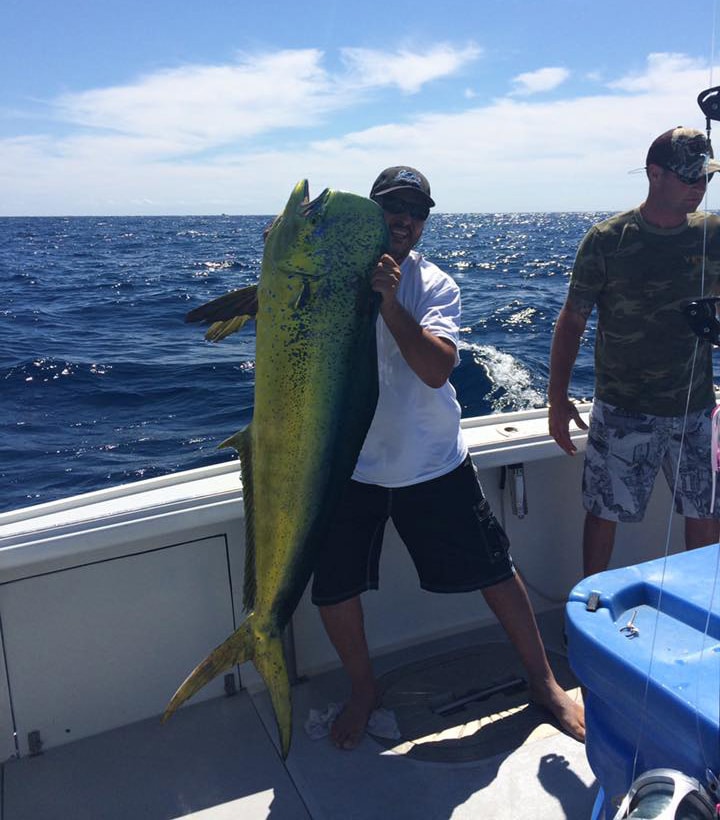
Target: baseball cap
686 152
399 178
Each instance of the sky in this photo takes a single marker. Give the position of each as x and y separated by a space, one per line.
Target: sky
118 107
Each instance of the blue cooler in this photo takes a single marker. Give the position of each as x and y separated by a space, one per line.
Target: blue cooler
652 688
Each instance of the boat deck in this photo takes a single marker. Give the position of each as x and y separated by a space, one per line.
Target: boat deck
218 759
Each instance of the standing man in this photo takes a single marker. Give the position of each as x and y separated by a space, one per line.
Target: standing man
414 468
653 381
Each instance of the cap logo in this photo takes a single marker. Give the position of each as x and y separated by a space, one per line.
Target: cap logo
409 177
398 177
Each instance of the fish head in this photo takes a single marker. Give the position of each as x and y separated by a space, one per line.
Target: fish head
336 225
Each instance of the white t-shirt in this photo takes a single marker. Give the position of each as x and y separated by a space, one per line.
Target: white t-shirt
415 434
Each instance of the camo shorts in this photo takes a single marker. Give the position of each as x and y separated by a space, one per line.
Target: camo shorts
625 451
454 540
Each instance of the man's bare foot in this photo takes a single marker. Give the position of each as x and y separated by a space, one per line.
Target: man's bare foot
568 713
349 726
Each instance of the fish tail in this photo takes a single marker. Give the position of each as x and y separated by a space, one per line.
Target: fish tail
270 663
238 648
245 644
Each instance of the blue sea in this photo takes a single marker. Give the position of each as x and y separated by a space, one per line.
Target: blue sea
102 382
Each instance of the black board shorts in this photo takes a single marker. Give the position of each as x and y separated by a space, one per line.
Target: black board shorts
454 540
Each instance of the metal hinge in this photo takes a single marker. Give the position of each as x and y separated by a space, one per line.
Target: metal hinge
35 743
518 494
230 684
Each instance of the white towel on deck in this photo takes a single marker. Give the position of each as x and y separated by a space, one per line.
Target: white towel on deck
382 722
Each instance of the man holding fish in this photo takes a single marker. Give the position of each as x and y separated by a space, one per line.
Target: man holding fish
355 422
414 468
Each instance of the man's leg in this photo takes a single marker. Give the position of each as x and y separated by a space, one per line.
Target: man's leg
699 532
623 455
510 604
344 624
598 540
357 528
691 480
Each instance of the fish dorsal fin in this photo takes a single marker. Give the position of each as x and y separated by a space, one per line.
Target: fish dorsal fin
241 442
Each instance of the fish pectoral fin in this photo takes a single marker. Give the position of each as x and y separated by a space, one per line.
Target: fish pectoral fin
227 313
220 330
304 295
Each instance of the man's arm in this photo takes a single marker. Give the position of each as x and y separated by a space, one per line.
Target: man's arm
432 358
569 328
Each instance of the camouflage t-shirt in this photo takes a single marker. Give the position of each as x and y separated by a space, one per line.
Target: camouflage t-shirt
640 277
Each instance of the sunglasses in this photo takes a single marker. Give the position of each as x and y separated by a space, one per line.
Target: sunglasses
686 180
396 205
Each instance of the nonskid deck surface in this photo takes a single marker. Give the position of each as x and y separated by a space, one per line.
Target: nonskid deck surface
217 760
467 705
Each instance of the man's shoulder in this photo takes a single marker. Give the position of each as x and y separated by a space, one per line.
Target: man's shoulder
616 223
417 260
706 230
704 219
427 269
605 237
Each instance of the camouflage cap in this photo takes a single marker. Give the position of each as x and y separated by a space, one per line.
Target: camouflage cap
401 177
686 152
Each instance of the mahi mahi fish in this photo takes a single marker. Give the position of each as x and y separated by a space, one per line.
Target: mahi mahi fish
316 386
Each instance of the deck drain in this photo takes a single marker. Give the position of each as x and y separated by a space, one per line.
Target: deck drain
466 705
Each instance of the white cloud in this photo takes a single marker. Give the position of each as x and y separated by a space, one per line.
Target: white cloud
514 155
511 154
407 69
664 71
197 107
543 79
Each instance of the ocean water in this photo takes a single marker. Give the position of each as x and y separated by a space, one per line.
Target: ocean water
102 382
